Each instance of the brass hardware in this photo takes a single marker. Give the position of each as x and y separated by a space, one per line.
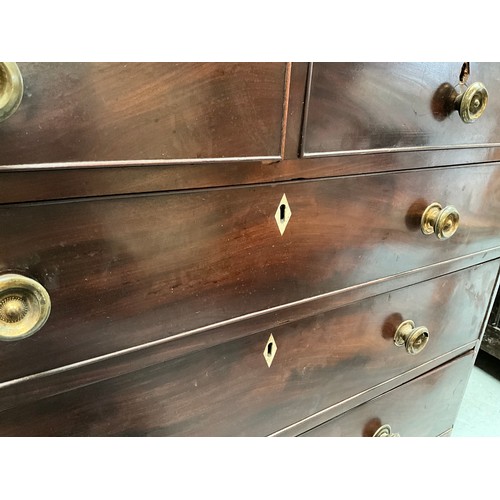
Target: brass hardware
443 222
283 214
24 306
11 89
13 309
472 103
464 73
270 350
414 339
385 431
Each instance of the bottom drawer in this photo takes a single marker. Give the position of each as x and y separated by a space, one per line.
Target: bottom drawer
426 406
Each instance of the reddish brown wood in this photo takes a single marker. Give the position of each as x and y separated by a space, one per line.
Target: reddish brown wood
145 268
229 389
38 184
89 371
167 283
370 106
145 111
295 110
424 407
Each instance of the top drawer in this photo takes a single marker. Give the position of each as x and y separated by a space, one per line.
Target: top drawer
72 112
378 106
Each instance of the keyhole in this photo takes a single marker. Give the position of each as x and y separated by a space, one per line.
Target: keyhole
269 349
282 212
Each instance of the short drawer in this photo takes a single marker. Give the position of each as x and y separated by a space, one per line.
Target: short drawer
424 407
115 112
381 106
122 271
264 382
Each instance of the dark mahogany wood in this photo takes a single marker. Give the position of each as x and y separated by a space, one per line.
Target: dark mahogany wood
18 184
229 389
92 370
74 112
127 270
424 407
143 197
371 106
295 110
114 364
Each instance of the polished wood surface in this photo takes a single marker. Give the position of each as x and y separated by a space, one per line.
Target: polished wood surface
143 268
73 112
143 197
373 106
52 182
69 377
424 407
295 111
342 352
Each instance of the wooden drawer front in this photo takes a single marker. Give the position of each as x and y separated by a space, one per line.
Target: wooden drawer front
230 390
424 407
373 106
127 270
74 112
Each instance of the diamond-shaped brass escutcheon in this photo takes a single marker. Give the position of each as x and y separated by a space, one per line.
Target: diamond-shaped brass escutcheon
283 214
270 350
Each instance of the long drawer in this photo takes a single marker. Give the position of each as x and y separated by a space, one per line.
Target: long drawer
261 383
424 407
356 107
80 112
122 271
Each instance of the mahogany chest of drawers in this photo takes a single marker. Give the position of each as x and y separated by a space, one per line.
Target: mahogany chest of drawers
248 249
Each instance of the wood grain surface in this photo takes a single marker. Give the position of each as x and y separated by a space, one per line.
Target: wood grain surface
295 110
371 106
229 389
55 181
143 197
68 377
73 112
122 271
424 407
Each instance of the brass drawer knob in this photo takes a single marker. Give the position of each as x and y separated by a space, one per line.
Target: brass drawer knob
443 222
472 103
11 89
413 338
385 431
24 306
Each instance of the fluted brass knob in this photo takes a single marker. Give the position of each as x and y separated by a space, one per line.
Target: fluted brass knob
385 431
472 103
11 89
24 306
413 338
443 222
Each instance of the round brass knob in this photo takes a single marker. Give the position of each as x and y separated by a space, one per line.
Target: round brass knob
11 89
385 431
24 306
472 103
413 338
443 222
